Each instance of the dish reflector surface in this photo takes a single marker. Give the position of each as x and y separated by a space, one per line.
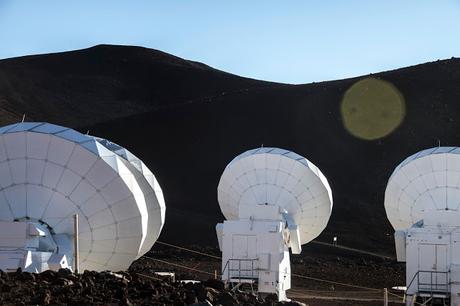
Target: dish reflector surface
49 173
273 176
151 189
426 181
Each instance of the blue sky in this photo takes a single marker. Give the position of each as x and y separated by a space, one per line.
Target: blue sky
284 41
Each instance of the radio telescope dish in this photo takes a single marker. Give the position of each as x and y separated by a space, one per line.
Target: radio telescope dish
424 182
273 176
48 173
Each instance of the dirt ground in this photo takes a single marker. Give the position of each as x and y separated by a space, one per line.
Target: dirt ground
320 275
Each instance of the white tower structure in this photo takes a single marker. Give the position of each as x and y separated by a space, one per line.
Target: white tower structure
48 174
422 202
273 200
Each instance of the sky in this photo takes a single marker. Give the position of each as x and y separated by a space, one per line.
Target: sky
283 41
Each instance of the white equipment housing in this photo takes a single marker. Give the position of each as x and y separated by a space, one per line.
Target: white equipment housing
422 202
273 200
49 173
30 246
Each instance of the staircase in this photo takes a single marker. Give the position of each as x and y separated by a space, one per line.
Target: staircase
433 288
241 271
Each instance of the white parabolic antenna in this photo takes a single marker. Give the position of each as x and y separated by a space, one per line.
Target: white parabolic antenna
422 202
48 173
425 182
273 176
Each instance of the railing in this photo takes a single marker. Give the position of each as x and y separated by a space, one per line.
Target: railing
240 272
438 282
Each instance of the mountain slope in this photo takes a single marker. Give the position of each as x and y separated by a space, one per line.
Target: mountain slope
187 121
192 144
105 82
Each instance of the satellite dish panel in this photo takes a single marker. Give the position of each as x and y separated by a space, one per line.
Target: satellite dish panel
50 172
151 189
426 181
272 176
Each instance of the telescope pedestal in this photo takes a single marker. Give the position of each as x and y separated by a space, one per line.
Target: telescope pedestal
255 251
431 250
32 247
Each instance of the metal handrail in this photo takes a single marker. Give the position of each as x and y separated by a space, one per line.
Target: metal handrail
239 269
412 280
431 287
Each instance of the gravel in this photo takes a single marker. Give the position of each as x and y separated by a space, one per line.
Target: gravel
122 288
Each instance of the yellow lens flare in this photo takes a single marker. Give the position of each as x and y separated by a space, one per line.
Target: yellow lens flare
372 109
